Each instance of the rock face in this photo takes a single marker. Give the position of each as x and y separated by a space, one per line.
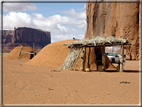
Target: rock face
28 36
118 19
7 36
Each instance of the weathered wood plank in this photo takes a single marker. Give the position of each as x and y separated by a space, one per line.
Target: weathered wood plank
122 58
82 67
27 52
103 58
20 52
92 45
88 65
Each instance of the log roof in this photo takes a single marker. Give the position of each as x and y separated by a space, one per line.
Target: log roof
98 42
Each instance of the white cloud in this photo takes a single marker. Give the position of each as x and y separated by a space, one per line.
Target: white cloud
59 24
7 7
61 27
74 14
62 37
83 25
18 19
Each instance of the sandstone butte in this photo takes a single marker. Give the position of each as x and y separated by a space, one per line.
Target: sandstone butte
118 19
14 38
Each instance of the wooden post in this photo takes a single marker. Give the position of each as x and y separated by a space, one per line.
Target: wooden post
103 58
82 67
84 59
34 48
88 65
20 52
122 58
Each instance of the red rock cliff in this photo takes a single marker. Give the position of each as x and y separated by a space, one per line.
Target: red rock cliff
119 19
27 36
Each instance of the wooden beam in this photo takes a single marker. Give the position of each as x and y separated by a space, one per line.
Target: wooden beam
122 58
82 67
107 44
103 58
97 45
20 52
88 65
27 52
84 59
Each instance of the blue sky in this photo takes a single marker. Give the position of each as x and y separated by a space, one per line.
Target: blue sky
63 20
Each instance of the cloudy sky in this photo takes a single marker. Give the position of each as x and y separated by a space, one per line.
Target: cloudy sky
63 20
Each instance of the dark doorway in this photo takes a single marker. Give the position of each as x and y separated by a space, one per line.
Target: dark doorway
31 55
98 59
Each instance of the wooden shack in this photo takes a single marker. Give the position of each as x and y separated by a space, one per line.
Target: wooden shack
83 54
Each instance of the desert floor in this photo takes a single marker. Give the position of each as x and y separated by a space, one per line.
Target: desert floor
29 84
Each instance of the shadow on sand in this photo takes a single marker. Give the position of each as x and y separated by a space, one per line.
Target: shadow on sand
125 71
113 71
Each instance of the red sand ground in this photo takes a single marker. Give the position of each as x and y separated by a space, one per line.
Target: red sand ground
29 84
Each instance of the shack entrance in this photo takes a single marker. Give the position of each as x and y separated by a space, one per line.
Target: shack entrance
32 53
98 55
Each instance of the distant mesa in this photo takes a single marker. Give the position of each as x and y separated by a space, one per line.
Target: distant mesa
28 36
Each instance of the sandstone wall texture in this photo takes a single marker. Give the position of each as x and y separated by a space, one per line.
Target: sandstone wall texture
118 19
25 35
